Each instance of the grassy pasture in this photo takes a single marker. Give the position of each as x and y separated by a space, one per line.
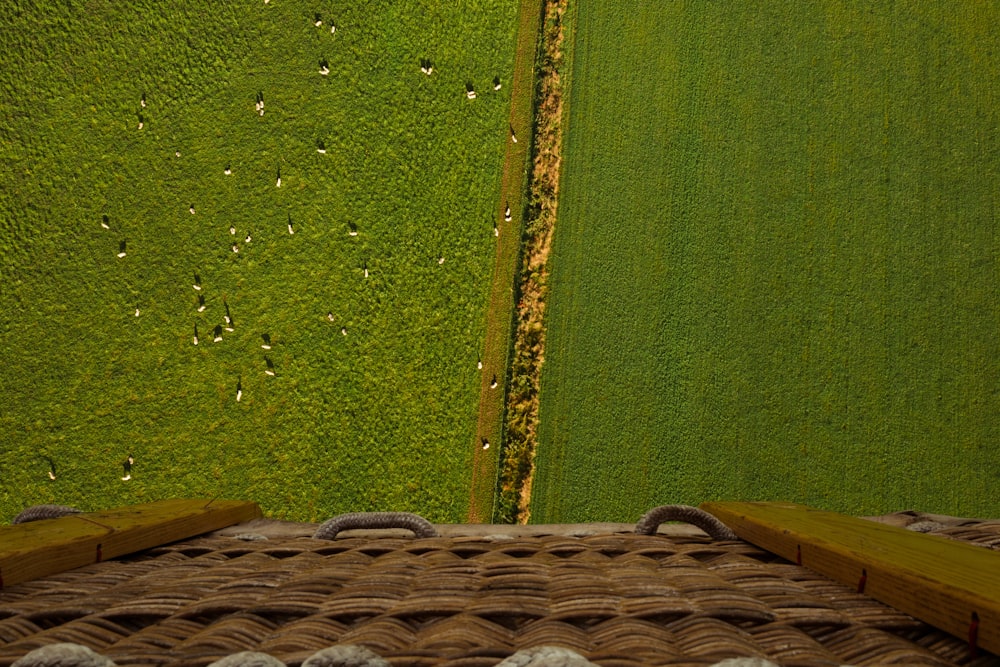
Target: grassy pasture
380 418
775 272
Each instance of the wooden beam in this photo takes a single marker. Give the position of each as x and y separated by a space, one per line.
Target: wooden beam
951 585
40 548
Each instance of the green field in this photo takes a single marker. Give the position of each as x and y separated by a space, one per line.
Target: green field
380 418
776 272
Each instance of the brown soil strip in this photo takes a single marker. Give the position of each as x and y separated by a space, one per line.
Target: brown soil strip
520 437
498 317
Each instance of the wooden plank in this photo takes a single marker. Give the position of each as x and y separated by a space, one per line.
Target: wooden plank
40 548
951 585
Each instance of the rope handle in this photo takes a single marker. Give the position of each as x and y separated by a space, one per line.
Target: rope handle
420 526
39 512
652 519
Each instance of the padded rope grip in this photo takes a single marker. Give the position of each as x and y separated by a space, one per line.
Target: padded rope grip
39 512
420 526
652 519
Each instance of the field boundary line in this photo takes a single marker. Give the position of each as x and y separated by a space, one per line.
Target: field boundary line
494 380
528 351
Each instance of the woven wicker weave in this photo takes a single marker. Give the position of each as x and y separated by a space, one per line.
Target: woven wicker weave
617 599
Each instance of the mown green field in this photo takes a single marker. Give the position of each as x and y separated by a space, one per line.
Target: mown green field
775 272
380 418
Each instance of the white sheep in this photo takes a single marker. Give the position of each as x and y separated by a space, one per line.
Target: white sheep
324 70
191 209
506 214
290 230
278 184
318 23
232 230
343 330
127 477
137 311
227 171
247 239
236 248
471 94
333 29
321 151
239 395
52 475
440 261
140 124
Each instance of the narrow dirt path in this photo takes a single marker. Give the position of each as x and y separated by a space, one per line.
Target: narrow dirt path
499 315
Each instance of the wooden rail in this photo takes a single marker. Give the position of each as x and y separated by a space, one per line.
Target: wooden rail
40 548
951 585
